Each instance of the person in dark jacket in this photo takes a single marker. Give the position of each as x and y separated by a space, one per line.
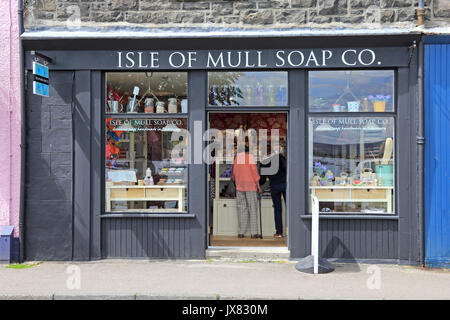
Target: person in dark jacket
277 181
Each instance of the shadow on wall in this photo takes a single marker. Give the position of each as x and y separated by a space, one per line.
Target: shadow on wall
346 256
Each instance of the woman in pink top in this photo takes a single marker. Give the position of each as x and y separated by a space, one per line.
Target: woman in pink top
246 178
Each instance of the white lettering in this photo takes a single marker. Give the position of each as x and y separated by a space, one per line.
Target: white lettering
371 53
120 59
247 60
191 58
193 310
183 59
154 60
325 57
312 57
215 63
140 61
239 53
279 57
344 59
289 58
259 60
129 59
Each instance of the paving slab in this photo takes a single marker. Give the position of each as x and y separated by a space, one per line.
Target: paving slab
218 279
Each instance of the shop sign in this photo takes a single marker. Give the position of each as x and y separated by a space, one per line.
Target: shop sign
41 79
40 70
40 89
247 59
41 74
317 58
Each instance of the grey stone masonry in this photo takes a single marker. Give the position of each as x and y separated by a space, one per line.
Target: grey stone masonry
235 14
232 14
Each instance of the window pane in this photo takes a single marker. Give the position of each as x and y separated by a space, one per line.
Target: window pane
351 91
351 164
146 92
247 88
145 165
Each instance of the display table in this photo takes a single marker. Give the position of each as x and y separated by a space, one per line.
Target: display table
361 194
167 192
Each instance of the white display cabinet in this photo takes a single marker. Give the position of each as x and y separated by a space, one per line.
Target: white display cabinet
225 215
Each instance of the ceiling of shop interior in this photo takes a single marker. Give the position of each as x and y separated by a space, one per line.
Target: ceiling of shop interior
161 83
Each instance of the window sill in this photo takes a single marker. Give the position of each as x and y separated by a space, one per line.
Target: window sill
353 216
147 215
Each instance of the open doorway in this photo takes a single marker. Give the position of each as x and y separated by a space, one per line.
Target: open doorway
226 213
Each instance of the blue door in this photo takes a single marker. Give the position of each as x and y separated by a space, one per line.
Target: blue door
437 151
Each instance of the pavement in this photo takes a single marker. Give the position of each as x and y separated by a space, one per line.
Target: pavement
218 279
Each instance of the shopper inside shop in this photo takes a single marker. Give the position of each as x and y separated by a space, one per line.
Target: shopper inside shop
276 166
246 178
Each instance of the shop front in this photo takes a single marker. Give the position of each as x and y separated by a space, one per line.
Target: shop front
133 153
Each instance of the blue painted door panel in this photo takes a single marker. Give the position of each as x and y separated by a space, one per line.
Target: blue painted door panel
437 155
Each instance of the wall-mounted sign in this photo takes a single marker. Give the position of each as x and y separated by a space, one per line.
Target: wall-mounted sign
41 74
40 70
40 88
302 58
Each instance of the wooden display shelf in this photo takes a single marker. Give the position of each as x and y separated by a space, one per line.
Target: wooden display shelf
166 192
369 194
148 210
351 187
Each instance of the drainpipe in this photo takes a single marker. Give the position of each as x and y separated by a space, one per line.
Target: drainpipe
421 151
22 136
421 13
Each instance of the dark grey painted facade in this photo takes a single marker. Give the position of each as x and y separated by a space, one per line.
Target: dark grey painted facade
149 238
65 179
49 178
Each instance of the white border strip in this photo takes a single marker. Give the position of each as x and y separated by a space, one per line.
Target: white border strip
140 33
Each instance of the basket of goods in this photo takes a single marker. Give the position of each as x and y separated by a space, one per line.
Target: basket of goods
330 176
314 181
368 176
342 179
324 181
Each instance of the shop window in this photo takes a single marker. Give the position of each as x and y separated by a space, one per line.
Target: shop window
146 92
259 88
146 156
351 164
146 165
351 91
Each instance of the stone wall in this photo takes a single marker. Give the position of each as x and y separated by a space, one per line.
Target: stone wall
232 14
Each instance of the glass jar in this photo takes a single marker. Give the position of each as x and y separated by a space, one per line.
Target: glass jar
173 107
149 105
160 107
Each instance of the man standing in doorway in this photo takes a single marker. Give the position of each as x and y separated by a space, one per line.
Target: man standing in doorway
277 181
246 178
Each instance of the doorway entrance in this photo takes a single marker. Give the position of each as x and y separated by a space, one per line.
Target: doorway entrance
265 133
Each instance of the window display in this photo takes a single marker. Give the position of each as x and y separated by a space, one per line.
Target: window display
145 165
351 91
248 88
351 164
146 92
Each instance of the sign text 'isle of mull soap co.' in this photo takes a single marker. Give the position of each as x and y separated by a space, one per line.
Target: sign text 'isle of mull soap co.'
229 59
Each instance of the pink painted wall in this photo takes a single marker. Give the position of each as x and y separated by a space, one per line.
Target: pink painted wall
9 115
